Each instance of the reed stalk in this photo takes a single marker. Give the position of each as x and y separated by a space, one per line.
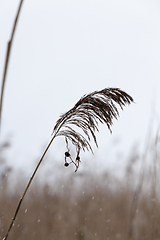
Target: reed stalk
98 106
8 52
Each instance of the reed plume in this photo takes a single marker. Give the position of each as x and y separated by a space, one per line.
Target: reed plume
98 106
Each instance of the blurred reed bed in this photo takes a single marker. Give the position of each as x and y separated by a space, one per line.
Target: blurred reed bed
88 205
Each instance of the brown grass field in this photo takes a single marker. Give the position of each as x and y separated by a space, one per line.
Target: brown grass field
87 206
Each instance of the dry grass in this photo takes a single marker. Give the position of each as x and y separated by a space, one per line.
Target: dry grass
97 209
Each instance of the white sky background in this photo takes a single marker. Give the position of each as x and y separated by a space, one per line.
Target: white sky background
64 49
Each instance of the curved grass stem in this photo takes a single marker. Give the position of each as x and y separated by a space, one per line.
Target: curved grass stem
27 187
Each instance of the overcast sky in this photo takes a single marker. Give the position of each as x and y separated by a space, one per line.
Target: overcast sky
66 48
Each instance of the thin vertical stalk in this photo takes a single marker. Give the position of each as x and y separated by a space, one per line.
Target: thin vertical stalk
154 186
138 189
9 46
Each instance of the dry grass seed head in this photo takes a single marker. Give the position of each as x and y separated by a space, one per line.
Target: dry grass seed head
98 106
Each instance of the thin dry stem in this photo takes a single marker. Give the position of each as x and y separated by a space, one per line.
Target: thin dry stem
9 46
154 184
138 190
27 187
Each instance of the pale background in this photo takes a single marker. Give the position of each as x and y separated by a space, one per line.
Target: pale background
64 49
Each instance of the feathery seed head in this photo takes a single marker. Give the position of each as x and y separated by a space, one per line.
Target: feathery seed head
98 106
